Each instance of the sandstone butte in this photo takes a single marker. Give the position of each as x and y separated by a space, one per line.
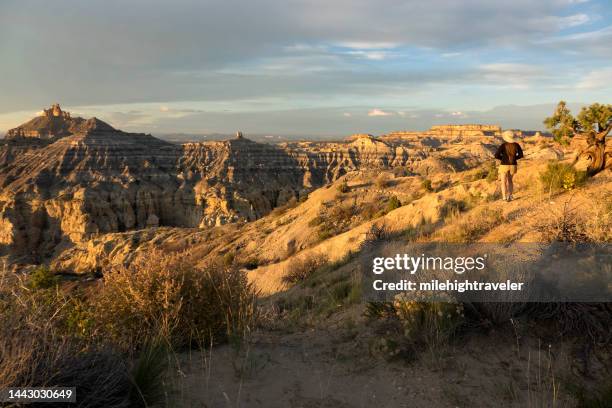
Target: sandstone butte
64 179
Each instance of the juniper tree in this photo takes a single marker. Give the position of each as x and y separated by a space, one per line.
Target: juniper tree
594 122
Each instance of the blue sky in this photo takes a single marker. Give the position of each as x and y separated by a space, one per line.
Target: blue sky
303 67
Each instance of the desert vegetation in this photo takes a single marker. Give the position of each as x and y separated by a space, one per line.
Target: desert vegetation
151 309
115 338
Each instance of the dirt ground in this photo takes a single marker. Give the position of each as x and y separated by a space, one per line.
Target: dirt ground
335 367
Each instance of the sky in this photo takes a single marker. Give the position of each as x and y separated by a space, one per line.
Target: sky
303 67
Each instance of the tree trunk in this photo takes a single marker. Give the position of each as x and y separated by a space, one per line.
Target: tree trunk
594 157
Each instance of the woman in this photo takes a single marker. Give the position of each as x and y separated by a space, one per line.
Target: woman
509 152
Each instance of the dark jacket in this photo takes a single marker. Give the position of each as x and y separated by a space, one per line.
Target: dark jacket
509 153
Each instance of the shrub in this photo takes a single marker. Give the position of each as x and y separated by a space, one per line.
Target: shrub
428 322
228 259
563 225
379 310
371 210
401 171
251 263
37 359
164 296
36 350
452 208
302 268
382 181
393 203
318 220
42 278
561 176
492 173
375 235
343 187
426 185
341 213
324 233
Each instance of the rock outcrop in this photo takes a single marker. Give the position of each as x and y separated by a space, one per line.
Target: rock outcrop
67 180
448 131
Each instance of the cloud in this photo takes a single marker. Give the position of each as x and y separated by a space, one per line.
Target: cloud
298 53
573 20
364 45
371 55
599 79
564 22
347 114
379 112
513 75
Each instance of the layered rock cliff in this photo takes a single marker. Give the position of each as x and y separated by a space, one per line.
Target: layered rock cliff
64 179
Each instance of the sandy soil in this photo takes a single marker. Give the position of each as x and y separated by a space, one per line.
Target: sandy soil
334 368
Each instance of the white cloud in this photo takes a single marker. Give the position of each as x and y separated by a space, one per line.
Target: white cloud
573 20
597 79
597 42
371 55
365 45
458 114
347 114
513 75
379 112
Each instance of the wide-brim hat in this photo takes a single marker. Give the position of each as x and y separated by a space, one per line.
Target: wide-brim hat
508 136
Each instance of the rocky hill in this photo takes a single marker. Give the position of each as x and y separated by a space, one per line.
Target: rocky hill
64 179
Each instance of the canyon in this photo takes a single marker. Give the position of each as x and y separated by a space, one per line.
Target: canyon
65 180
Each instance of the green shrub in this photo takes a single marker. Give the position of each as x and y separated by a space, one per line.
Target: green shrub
324 233
492 173
228 259
426 185
42 278
428 322
147 374
393 203
318 220
561 176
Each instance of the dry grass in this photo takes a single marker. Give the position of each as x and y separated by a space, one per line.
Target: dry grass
303 267
573 223
171 299
382 181
36 351
114 340
468 227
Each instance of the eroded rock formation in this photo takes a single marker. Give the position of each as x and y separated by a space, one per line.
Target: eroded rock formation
65 179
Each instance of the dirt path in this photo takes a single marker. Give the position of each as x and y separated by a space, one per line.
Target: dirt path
332 368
